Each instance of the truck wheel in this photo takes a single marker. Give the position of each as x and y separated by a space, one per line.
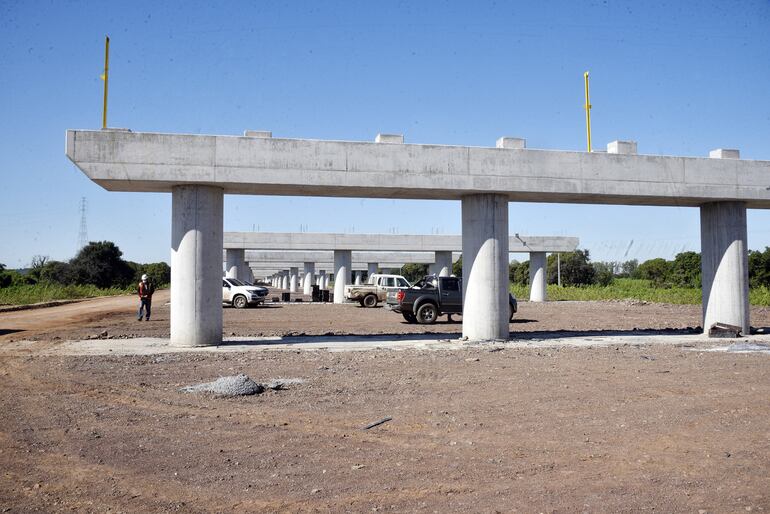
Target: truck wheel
409 317
239 302
370 300
427 314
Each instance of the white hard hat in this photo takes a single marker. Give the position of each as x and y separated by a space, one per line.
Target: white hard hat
144 277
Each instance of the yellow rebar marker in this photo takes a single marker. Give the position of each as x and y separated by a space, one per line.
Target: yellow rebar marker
588 112
105 78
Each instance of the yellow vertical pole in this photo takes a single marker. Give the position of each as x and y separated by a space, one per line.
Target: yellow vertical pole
588 112
106 77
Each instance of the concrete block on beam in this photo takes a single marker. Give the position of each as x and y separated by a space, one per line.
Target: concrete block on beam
264 134
515 143
724 153
622 147
390 138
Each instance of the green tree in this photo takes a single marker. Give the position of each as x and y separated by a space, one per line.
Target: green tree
5 277
628 268
57 272
100 264
759 268
685 270
36 266
576 269
457 267
513 266
604 273
413 272
521 275
656 271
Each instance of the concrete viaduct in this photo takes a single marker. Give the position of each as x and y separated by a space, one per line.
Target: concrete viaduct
198 170
385 249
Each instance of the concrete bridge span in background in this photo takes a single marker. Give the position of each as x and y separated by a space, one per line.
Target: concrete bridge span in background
198 170
378 249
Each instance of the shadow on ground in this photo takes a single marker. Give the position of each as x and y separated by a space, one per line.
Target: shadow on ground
428 337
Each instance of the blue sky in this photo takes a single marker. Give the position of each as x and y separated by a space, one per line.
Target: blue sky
678 77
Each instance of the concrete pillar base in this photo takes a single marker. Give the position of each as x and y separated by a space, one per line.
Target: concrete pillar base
343 261
724 264
485 267
196 265
537 277
293 278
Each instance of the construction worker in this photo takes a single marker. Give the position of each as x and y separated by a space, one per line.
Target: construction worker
145 298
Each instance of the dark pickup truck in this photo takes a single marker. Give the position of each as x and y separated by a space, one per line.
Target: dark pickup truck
434 296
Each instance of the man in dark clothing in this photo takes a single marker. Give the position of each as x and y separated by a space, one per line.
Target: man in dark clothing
145 298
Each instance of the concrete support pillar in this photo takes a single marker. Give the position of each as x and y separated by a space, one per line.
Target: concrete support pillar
724 264
196 265
443 264
358 278
485 266
537 277
309 280
285 280
323 279
343 261
371 270
235 263
293 278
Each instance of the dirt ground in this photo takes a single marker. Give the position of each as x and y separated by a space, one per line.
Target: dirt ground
477 429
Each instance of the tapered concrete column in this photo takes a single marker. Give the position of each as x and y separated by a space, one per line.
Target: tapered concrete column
485 266
235 262
724 264
537 277
323 279
196 265
285 280
247 273
443 264
357 280
293 278
343 261
308 282
371 270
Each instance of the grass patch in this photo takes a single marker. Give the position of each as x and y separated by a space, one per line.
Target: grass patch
636 289
28 294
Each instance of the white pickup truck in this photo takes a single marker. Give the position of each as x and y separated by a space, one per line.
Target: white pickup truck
375 290
240 295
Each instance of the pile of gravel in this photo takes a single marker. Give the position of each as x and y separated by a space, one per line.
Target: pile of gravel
236 385
240 385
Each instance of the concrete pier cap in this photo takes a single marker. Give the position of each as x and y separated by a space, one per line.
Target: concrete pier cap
515 143
258 133
389 138
724 153
622 147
